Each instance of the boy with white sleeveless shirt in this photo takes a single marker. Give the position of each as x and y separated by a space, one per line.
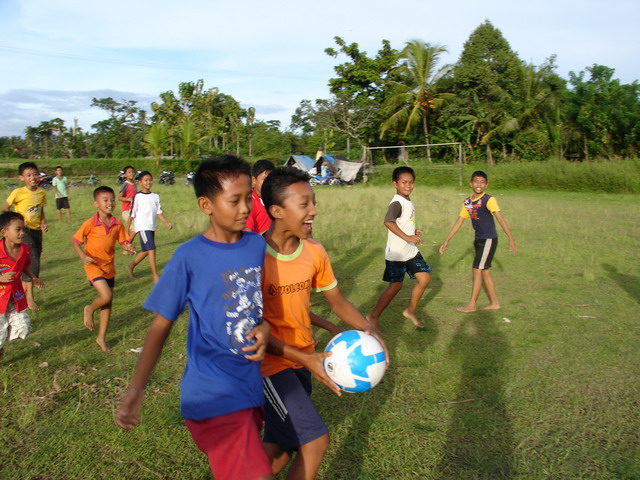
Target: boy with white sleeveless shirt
402 254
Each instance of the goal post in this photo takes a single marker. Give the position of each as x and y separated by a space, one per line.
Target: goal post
368 154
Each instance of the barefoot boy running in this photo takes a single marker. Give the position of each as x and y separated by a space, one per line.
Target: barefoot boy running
401 254
481 207
99 234
145 209
294 264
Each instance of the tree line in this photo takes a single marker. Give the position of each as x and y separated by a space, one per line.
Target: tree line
499 107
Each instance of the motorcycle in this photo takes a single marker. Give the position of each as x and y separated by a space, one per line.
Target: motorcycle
44 180
317 179
93 179
189 178
167 177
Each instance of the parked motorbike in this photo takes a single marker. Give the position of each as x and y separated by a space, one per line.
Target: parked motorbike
44 180
189 178
93 179
317 179
167 177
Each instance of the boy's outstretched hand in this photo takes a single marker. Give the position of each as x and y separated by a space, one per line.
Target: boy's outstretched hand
259 348
128 412
315 364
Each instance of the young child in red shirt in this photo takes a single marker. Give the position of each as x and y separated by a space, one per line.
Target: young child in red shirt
14 260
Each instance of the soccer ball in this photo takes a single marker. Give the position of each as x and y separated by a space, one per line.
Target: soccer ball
357 362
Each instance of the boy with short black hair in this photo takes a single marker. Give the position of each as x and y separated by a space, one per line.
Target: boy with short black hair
401 253
481 208
99 235
127 191
259 220
218 274
60 182
144 210
294 264
14 261
29 201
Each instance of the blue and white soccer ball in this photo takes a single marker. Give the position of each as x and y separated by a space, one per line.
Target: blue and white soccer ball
357 362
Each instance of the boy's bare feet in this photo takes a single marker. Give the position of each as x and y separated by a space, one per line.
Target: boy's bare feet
412 317
87 317
492 306
374 323
466 309
31 304
103 345
155 279
130 270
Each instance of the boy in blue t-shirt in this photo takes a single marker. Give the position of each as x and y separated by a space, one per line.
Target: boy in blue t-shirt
218 274
481 208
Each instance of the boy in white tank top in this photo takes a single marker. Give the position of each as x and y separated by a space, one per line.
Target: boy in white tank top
402 254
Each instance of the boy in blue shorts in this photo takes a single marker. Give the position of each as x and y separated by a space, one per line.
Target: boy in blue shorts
401 253
294 264
145 208
481 208
218 275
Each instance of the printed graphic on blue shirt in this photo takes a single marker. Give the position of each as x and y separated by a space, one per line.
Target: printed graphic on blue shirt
244 305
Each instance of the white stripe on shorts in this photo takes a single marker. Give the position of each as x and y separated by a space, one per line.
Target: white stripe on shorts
143 236
274 399
485 252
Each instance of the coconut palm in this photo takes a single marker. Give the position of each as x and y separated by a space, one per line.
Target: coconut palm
415 89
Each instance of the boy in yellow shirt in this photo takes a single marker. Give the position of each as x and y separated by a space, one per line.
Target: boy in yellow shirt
29 201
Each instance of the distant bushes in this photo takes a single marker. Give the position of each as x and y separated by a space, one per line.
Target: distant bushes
82 167
620 176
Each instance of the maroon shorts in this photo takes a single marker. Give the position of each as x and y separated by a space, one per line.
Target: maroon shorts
232 444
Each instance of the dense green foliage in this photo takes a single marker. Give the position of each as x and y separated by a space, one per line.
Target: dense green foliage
499 107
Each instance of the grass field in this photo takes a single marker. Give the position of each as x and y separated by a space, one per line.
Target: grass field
546 388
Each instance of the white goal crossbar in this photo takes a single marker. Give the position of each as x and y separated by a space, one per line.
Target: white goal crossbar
367 154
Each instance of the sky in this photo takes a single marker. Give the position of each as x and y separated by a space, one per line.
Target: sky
55 56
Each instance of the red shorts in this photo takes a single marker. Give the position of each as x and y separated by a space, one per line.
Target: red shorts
232 444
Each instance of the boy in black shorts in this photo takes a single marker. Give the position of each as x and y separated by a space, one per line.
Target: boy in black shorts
481 207
401 254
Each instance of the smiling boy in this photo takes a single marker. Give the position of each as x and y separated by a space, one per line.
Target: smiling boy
218 274
294 264
99 235
401 253
14 260
481 208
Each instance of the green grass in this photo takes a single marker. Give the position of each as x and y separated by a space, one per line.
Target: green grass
550 394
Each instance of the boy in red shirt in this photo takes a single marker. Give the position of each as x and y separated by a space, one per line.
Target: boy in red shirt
14 260
259 220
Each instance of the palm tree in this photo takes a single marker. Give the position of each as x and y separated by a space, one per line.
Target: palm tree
156 140
415 89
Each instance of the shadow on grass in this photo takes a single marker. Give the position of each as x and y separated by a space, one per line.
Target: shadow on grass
359 413
480 438
629 283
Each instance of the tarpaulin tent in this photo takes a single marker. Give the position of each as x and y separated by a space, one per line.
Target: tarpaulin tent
347 171
303 162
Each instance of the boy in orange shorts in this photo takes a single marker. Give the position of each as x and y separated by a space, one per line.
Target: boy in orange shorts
99 234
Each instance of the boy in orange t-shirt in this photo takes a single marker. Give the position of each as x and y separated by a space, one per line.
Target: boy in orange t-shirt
294 264
100 234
